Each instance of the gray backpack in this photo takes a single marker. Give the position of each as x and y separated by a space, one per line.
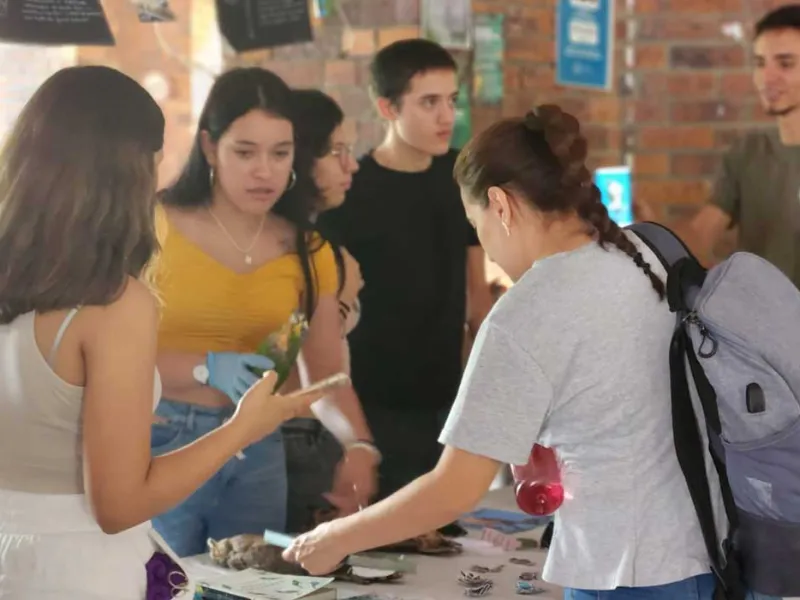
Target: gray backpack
738 339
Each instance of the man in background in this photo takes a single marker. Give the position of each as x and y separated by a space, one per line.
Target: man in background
758 189
404 223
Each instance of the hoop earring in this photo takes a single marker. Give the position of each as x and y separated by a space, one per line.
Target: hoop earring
212 178
292 180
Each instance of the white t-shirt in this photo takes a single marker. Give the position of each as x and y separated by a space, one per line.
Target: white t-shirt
575 356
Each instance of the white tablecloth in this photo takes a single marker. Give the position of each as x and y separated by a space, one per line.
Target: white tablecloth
436 577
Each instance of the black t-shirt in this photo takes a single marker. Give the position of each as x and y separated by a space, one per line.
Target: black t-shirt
409 234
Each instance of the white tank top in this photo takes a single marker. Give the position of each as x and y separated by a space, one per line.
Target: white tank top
40 415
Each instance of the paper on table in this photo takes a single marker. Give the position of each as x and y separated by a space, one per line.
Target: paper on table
267 586
381 561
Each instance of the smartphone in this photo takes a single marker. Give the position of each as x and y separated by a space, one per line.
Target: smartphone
329 383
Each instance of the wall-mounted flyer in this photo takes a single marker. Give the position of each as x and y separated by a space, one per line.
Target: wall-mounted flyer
54 23
487 67
256 24
616 190
585 43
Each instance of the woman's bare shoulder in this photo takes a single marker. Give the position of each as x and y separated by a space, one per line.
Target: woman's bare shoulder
136 301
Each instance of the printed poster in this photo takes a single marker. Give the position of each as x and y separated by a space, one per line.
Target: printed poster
256 24
54 23
487 68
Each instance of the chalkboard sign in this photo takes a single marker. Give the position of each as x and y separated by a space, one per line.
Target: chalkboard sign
254 24
55 23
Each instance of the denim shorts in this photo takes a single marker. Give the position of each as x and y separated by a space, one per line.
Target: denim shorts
246 496
700 587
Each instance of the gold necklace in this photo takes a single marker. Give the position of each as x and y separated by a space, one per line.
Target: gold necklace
248 259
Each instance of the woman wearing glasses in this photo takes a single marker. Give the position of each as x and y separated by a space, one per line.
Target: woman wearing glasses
312 452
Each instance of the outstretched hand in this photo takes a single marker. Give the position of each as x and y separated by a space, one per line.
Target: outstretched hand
317 551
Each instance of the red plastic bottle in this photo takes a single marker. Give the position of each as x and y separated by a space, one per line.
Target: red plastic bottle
537 484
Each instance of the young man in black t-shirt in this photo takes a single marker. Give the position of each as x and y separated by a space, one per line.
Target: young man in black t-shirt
404 223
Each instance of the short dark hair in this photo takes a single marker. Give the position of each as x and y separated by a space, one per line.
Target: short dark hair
783 17
77 192
395 66
542 158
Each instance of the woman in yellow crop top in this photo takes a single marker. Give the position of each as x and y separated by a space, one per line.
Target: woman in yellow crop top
239 256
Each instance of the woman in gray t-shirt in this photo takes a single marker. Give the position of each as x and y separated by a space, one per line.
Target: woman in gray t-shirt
575 357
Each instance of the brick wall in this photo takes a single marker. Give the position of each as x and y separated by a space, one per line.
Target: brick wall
682 93
693 95
529 75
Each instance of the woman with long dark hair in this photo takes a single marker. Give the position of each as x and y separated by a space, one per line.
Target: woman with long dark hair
78 323
312 451
240 257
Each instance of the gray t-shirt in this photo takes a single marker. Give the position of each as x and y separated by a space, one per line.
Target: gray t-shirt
575 357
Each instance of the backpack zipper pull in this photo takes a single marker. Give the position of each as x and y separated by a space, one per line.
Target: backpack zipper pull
693 319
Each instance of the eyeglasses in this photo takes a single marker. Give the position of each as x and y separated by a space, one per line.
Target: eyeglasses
343 152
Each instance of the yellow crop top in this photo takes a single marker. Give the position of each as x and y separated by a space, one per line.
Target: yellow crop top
209 308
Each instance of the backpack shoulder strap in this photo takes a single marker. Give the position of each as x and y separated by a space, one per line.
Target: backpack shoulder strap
685 276
667 246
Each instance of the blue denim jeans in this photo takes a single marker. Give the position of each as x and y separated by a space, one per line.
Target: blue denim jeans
245 496
695 588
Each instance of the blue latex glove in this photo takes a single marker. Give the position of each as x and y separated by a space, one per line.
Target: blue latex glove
229 372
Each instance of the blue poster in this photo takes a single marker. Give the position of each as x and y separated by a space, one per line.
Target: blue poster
616 190
585 43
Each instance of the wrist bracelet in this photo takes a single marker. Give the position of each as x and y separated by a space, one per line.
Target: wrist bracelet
365 445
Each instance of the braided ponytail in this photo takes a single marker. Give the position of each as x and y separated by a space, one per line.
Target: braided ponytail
562 133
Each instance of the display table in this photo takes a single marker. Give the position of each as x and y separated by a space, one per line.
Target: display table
436 577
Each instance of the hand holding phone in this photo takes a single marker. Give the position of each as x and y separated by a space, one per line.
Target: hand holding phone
323 386
261 411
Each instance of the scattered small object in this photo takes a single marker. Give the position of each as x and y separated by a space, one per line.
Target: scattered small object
475 584
528 576
469 579
480 590
500 540
482 569
522 561
525 588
